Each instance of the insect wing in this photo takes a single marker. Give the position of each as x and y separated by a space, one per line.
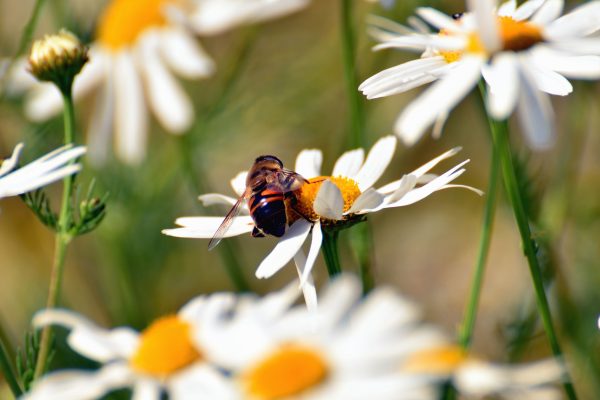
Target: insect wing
226 224
286 181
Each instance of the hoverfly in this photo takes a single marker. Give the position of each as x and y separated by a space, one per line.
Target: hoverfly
268 185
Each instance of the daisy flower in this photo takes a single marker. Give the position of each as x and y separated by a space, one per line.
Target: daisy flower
138 47
45 170
165 357
351 348
326 202
523 53
475 378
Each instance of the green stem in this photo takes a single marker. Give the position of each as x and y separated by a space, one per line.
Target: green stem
8 371
63 236
361 240
330 252
502 147
466 330
355 101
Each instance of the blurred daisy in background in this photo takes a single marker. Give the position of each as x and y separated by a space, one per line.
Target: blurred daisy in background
351 348
524 53
41 172
138 47
326 202
165 357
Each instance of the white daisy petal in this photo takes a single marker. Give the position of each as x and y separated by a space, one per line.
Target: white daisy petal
503 80
378 159
438 19
211 199
130 110
315 246
43 102
146 389
584 46
101 123
580 22
423 42
206 227
10 163
184 55
329 202
535 113
349 163
167 99
441 97
487 25
308 163
200 381
548 12
580 67
402 77
368 200
286 248
507 8
551 82
308 286
239 183
526 9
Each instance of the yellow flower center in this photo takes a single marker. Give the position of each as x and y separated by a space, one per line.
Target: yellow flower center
288 371
515 36
518 35
441 360
124 20
165 347
305 196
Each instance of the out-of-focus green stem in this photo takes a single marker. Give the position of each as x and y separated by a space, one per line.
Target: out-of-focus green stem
8 371
355 101
63 235
330 253
502 147
361 240
466 330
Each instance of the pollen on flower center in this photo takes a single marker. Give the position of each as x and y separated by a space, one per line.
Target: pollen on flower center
165 347
124 20
474 45
305 196
518 35
439 360
288 371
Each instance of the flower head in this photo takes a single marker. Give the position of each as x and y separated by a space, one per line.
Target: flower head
166 356
45 170
524 53
139 46
57 58
336 201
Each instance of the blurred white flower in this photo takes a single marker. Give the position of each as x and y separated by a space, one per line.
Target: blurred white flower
164 357
341 199
43 171
138 47
351 348
524 53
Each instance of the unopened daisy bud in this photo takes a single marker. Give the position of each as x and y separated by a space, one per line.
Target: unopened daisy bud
58 58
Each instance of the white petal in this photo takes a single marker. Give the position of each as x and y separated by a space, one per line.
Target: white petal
184 55
211 199
102 121
548 12
421 42
11 162
349 163
206 227
579 67
401 77
441 97
239 183
378 159
487 25
368 200
43 102
341 295
438 19
584 46
200 381
286 248
503 81
525 10
535 113
329 202
308 287
167 99
507 8
308 163
315 246
88 339
130 110
580 22
146 389
550 82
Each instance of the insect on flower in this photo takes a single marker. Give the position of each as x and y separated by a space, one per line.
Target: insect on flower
268 187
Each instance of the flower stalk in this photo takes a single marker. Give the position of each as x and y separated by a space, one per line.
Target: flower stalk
502 147
8 371
331 253
63 234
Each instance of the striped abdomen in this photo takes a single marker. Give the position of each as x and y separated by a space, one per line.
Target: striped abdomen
267 209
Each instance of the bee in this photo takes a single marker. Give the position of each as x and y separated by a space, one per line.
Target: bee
268 186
